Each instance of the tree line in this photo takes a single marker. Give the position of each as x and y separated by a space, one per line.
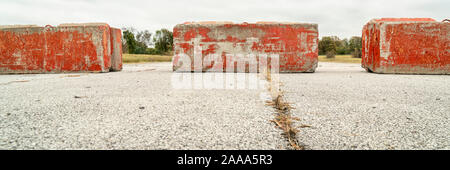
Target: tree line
161 43
332 45
145 42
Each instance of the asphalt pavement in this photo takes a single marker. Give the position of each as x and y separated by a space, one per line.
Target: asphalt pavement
143 107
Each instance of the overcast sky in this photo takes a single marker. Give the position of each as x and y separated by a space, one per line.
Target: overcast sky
343 18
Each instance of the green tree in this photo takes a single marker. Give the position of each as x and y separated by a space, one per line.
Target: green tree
136 42
129 42
141 48
144 37
342 47
163 40
332 45
327 45
355 46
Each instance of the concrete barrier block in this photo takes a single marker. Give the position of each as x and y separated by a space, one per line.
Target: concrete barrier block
65 48
245 47
406 46
116 49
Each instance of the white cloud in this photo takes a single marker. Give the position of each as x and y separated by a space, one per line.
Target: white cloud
343 18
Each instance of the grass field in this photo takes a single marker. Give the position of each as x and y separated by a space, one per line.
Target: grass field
138 58
340 59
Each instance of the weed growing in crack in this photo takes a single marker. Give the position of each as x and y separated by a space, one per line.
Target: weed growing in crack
283 119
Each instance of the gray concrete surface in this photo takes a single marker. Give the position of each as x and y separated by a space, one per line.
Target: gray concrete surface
351 109
138 109
133 109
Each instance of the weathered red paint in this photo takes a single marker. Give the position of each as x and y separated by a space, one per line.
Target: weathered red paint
116 49
412 46
296 44
66 48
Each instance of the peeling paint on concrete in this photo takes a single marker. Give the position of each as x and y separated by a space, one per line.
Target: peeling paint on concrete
243 44
65 48
116 49
406 46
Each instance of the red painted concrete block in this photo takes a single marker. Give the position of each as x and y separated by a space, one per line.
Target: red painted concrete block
116 49
406 46
65 48
245 47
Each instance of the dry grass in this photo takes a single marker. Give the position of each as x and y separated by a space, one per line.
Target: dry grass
15 81
283 116
72 75
284 121
340 59
139 58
